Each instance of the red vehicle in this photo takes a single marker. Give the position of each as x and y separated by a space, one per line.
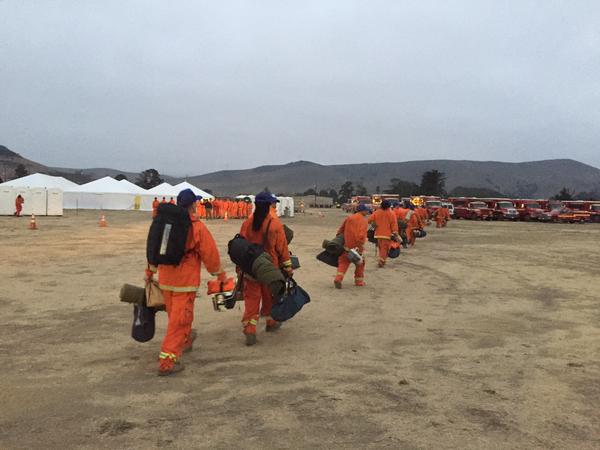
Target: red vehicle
581 209
378 198
432 204
594 210
563 214
502 209
529 209
472 209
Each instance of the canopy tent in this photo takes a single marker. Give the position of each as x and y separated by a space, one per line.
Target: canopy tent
40 180
185 185
43 194
106 193
164 190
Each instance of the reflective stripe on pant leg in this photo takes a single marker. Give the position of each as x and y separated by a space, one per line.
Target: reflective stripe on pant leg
252 296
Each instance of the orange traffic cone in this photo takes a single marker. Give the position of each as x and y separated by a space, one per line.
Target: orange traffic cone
32 223
103 221
225 217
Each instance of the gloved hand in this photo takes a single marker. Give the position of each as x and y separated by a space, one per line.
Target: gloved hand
148 275
289 271
222 276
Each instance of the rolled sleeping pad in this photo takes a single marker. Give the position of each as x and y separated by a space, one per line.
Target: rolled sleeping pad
334 246
133 294
264 271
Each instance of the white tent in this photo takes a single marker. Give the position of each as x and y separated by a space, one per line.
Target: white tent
40 180
105 193
42 193
185 185
163 190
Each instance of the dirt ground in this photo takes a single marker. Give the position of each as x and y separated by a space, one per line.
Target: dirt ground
484 335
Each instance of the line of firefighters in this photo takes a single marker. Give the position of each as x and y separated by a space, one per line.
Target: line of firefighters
214 209
393 224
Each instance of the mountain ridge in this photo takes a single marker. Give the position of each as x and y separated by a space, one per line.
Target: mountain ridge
532 179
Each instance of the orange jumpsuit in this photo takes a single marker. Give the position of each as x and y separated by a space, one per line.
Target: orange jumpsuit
386 224
179 285
275 245
414 223
423 215
441 217
401 213
19 205
354 229
155 204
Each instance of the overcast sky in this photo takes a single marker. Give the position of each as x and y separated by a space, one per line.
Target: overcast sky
189 87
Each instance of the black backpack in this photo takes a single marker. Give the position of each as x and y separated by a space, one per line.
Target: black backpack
243 253
168 235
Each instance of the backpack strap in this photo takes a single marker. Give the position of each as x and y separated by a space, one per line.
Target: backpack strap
266 235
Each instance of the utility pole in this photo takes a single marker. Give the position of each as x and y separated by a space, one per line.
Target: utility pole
315 195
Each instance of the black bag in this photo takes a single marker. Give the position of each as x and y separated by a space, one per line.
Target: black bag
394 252
420 233
142 329
243 253
328 258
292 301
371 235
168 235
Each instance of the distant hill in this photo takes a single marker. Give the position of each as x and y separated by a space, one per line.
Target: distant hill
527 179
9 160
535 179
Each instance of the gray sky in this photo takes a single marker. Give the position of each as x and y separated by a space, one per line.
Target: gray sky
189 87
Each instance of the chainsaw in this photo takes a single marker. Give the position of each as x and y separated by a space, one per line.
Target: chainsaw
225 293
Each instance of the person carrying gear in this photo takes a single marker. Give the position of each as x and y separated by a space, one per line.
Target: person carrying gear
354 229
400 212
19 205
179 285
423 215
264 229
442 216
386 228
413 224
155 204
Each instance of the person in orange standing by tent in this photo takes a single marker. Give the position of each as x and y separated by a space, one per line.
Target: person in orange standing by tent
164 200
179 285
172 201
155 204
19 205
354 229
386 229
216 206
263 229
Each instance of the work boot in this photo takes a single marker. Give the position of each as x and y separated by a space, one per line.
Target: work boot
189 344
359 283
272 325
250 339
167 367
337 284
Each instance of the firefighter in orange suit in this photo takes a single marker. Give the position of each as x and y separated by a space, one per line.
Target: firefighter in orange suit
414 224
19 205
441 217
354 229
264 229
179 285
155 204
386 229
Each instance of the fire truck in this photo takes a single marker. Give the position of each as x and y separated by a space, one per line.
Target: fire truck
376 199
502 208
470 208
529 209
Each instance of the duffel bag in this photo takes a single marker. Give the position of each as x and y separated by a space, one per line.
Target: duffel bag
144 323
328 258
394 250
292 301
